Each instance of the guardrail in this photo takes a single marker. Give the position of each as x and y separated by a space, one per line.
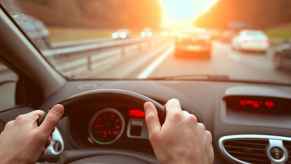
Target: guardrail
92 46
70 60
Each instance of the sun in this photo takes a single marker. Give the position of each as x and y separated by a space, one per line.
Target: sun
183 11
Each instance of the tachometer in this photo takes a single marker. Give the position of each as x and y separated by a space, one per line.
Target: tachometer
106 126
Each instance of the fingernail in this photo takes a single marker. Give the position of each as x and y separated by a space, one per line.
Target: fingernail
174 101
59 106
147 106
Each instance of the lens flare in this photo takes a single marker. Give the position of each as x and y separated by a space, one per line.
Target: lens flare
183 11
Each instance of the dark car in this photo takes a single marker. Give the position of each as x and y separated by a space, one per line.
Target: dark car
34 28
282 57
193 44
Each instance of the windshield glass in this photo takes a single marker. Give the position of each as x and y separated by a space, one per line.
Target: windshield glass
141 39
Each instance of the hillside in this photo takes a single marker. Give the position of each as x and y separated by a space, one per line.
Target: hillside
134 14
254 13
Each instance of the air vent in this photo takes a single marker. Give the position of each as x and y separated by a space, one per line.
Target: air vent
287 145
251 151
256 149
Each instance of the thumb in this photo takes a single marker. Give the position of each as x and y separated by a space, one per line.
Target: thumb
52 118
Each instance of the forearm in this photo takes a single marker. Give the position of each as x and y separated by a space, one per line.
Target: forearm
4 159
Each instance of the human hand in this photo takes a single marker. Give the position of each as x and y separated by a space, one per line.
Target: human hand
22 140
181 139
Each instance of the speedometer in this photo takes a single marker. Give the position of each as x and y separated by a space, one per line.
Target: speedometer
106 126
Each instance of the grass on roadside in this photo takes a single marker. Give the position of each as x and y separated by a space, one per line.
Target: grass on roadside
60 34
279 34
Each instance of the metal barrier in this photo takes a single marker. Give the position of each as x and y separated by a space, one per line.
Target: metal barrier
85 57
91 47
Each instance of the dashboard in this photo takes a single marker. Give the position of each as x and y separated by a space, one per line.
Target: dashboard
250 122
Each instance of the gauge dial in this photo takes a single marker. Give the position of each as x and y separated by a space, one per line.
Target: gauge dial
106 126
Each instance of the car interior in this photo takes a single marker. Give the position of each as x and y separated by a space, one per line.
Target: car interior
250 121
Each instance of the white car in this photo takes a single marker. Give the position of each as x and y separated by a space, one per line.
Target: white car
251 40
146 33
121 34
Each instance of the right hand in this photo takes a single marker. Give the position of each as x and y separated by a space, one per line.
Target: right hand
181 139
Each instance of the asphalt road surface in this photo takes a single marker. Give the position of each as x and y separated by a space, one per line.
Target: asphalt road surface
224 61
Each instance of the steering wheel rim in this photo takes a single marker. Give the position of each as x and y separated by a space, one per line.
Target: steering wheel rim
114 93
79 156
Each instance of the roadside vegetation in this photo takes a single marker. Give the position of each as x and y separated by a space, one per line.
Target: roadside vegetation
60 35
280 34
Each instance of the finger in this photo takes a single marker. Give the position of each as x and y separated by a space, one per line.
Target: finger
36 113
211 154
29 118
173 109
152 119
34 116
201 126
208 137
52 118
186 114
209 147
189 119
9 124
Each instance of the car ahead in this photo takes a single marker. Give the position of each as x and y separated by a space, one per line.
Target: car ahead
146 33
193 44
121 34
282 57
33 28
251 40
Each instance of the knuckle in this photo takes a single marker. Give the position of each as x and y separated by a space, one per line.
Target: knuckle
20 118
38 136
177 116
9 123
52 119
150 117
201 126
191 119
38 112
154 137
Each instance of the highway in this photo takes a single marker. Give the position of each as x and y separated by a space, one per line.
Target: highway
160 61
156 58
225 61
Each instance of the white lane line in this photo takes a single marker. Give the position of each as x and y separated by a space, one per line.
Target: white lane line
235 57
151 68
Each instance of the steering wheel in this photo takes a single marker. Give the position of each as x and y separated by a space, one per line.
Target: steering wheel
108 156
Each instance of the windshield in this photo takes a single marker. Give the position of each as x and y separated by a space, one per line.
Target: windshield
139 39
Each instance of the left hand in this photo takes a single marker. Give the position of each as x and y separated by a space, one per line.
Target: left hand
23 141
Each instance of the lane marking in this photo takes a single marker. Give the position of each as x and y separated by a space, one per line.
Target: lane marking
137 64
153 66
234 57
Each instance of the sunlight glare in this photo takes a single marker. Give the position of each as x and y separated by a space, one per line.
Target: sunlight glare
183 11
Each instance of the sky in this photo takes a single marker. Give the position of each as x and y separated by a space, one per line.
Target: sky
183 11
